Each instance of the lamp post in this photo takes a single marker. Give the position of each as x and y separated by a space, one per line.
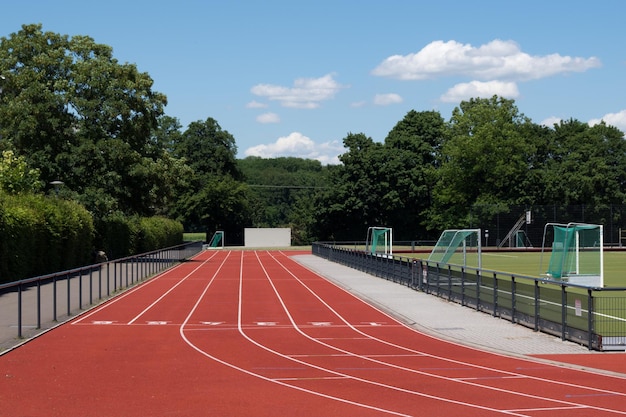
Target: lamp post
56 184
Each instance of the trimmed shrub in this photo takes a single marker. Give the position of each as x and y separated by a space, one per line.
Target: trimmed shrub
40 235
120 236
159 232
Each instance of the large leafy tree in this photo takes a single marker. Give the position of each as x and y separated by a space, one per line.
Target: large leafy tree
413 153
353 201
80 116
484 162
214 197
586 165
208 149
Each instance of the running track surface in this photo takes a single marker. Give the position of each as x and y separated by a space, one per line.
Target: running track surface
253 333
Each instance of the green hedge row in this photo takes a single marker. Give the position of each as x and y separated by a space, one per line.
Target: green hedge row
120 235
41 235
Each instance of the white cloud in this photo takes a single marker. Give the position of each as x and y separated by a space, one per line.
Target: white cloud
387 99
465 91
358 104
300 146
256 105
497 59
306 93
551 121
613 119
268 118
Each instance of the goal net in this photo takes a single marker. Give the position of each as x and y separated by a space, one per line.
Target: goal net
577 253
379 240
217 241
458 247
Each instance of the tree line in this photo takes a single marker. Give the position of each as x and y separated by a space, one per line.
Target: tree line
76 114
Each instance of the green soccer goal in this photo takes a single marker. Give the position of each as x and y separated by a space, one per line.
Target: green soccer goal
576 253
217 241
458 247
379 240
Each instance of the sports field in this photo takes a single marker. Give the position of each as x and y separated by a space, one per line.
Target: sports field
531 264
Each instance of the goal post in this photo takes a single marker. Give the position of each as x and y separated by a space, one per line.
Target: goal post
459 247
379 240
217 241
576 253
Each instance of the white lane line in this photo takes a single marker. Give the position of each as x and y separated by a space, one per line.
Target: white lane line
473 366
170 290
262 377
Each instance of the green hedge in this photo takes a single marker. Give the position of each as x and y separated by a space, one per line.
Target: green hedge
39 235
120 235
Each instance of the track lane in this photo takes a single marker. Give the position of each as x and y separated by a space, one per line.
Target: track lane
229 347
152 295
359 390
570 390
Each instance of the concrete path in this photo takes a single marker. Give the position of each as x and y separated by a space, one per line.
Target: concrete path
438 317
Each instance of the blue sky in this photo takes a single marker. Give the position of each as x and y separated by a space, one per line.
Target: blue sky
291 78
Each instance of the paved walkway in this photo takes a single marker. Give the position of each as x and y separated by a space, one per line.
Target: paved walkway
438 317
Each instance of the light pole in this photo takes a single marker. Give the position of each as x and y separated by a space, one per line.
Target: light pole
56 184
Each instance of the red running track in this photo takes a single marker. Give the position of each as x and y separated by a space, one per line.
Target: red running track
247 333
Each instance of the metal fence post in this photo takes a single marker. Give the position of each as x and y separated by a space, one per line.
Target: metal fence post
54 298
495 294
563 311
478 285
536 300
38 304
513 299
590 321
67 281
19 311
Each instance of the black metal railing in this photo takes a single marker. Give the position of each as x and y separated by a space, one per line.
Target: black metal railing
34 304
593 317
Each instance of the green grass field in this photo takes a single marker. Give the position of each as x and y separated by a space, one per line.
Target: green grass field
193 237
531 263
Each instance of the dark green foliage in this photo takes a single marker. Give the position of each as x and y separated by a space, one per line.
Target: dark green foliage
281 193
158 232
120 236
42 235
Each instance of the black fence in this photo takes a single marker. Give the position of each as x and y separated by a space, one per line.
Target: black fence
593 317
497 221
35 304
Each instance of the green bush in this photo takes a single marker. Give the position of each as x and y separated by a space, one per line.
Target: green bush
40 235
120 235
159 232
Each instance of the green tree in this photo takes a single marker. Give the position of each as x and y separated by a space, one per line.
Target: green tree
353 201
587 165
484 162
213 197
80 116
413 149
16 176
208 149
